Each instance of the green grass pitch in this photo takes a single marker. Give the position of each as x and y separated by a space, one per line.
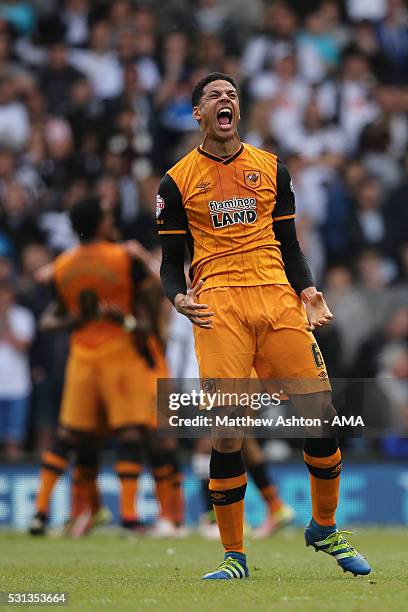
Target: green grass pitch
107 572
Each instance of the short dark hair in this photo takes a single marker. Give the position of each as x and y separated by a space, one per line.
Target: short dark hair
86 216
197 92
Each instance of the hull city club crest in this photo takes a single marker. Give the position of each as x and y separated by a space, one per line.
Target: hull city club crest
252 178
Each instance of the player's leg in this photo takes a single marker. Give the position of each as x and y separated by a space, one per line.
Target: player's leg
123 389
79 493
225 356
227 488
164 456
161 461
88 468
53 464
177 494
78 417
288 353
87 510
128 467
168 478
201 468
323 460
279 513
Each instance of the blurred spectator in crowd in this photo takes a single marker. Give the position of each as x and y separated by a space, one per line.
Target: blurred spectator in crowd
340 202
57 79
393 39
366 9
17 216
173 98
347 99
19 14
279 24
384 141
14 126
74 17
6 263
17 328
368 362
366 222
396 219
47 352
99 62
287 93
317 48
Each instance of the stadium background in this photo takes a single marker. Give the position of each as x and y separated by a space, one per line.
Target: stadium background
95 98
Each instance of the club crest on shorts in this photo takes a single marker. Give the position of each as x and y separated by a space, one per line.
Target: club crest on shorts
160 204
208 385
252 178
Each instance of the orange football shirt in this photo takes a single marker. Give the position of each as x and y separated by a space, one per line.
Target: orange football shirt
105 269
226 208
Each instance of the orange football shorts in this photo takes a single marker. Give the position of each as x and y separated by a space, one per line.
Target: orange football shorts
262 327
116 388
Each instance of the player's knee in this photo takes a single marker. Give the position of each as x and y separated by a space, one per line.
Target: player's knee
88 453
130 451
320 447
320 412
129 434
67 436
227 445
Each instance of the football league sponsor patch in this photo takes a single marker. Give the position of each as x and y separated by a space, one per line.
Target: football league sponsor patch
160 204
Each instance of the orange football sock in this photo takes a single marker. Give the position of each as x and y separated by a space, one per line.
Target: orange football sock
128 473
271 497
230 520
163 477
324 486
79 493
177 503
265 485
52 467
227 488
92 492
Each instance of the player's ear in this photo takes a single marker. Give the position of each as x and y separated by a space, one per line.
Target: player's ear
197 113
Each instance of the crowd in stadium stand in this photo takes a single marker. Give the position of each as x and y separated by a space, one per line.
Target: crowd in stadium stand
95 98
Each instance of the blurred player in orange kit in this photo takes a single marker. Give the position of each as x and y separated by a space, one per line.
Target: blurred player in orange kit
109 381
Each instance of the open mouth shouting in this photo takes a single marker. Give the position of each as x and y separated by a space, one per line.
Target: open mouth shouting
224 118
